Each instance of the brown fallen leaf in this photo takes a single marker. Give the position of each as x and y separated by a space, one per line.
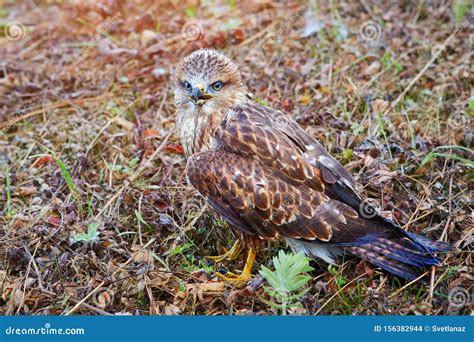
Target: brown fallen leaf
239 293
172 310
380 106
141 255
54 220
217 286
129 126
151 133
200 289
27 190
175 148
104 299
305 99
42 161
382 176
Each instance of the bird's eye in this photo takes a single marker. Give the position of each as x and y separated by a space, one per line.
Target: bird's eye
216 86
187 86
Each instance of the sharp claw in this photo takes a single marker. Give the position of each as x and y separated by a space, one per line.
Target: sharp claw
246 274
230 254
235 278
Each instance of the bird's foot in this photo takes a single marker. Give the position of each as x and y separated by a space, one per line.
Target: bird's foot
230 254
245 276
236 279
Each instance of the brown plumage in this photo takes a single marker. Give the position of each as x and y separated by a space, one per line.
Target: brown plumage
269 178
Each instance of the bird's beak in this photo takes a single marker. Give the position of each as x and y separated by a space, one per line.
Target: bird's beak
198 94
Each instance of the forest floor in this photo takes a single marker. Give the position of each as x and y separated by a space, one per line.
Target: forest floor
96 214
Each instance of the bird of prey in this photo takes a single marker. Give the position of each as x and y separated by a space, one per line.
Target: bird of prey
269 178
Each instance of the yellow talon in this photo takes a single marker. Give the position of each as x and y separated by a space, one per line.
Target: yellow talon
246 272
231 254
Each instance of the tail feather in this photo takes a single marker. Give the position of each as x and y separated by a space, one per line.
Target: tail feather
404 250
403 256
421 243
428 244
393 266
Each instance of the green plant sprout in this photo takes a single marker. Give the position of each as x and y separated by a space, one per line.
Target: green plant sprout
91 235
287 281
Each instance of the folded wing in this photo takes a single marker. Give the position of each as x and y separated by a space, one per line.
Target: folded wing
261 201
269 177
275 140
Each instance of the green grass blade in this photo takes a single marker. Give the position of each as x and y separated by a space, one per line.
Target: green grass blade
67 178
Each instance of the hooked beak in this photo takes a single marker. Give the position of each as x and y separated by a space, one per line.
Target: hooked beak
198 94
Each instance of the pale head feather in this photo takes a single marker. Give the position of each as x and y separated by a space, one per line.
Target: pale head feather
204 67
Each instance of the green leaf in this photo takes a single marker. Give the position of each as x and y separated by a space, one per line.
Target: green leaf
471 103
180 249
140 219
461 8
91 235
287 281
261 101
434 154
124 79
347 154
230 24
190 11
67 178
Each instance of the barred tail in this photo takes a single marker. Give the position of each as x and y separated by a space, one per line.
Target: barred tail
406 257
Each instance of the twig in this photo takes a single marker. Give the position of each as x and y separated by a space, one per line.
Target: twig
130 180
426 67
51 293
139 223
448 221
81 302
97 136
35 267
87 306
404 287
26 278
57 105
429 213
134 176
342 288
258 35
432 279
160 108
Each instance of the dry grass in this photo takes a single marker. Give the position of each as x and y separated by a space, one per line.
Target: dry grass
87 144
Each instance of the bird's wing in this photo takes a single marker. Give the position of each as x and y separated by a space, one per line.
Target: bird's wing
271 178
260 201
272 138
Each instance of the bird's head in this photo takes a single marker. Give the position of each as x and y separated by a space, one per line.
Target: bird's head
206 79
